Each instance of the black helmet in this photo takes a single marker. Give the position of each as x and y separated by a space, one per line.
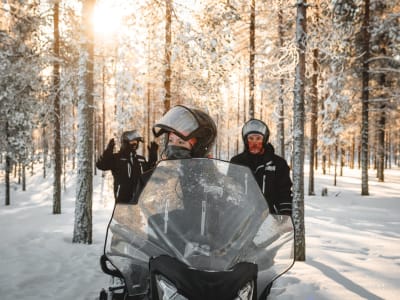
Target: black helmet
129 136
255 126
126 138
189 123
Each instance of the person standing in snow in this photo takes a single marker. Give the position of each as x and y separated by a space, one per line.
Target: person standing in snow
126 165
270 170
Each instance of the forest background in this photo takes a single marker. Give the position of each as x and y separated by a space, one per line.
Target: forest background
324 76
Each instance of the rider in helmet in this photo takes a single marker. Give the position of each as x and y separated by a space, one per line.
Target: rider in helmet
126 165
270 170
190 132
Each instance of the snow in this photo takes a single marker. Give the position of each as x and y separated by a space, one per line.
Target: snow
353 242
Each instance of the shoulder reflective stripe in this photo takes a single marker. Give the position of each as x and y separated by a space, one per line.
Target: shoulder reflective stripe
129 170
270 168
259 167
263 186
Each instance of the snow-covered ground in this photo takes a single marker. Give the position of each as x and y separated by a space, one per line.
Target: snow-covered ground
353 242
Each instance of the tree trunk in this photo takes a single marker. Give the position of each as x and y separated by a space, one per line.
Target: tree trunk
103 108
168 67
313 121
19 169
45 149
7 179
314 115
238 123
365 102
381 126
389 150
84 193
64 169
298 134
57 115
23 175
252 57
381 144
342 160
73 137
148 104
281 104
352 152
8 168
335 163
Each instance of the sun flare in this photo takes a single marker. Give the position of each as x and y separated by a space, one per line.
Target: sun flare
106 20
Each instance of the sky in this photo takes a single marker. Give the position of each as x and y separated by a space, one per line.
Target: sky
352 242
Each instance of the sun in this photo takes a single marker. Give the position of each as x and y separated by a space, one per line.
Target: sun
106 19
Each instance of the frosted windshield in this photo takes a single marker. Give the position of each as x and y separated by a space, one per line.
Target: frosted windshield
207 213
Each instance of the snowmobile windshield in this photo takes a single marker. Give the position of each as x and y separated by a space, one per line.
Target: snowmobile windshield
179 120
209 214
254 126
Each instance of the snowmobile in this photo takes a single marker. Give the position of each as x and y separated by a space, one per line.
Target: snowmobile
201 229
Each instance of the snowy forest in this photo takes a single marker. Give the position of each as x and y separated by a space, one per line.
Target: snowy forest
323 74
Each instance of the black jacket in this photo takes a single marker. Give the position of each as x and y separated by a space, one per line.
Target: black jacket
126 168
273 177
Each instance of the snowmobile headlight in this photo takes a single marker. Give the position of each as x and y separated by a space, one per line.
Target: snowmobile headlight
166 290
246 292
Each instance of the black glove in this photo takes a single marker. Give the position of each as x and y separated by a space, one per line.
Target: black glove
153 152
110 146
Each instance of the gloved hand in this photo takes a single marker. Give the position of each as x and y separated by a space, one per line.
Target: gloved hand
153 152
110 146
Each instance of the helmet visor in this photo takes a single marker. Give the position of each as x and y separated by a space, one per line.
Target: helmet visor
254 126
179 120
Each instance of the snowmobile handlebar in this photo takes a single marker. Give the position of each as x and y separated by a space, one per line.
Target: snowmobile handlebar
107 270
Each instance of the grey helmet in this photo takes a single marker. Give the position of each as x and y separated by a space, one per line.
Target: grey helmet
255 126
131 135
189 123
127 137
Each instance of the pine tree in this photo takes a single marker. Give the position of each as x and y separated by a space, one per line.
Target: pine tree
298 133
84 193
57 114
19 85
